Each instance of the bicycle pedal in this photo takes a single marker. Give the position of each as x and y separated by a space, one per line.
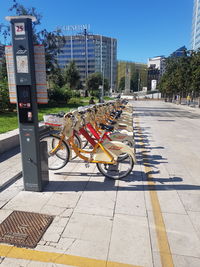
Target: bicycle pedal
87 165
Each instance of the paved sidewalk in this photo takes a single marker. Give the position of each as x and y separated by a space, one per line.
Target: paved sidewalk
102 222
10 167
94 217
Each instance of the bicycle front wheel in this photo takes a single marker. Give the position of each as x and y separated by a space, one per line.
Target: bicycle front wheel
58 158
119 170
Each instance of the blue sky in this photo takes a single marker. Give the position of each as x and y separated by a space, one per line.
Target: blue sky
143 28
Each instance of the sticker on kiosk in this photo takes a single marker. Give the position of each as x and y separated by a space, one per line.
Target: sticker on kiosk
19 28
22 64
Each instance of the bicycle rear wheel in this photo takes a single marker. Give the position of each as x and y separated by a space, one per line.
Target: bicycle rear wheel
60 157
119 170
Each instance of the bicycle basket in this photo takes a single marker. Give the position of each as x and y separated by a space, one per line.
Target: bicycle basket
53 120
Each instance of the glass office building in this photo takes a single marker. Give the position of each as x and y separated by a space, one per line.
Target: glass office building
91 53
195 43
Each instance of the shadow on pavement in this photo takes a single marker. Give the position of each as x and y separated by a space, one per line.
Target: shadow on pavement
130 183
165 112
10 153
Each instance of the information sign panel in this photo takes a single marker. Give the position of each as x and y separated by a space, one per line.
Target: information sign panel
22 67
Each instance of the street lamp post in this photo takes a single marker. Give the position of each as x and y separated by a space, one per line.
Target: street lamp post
101 88
86 54
138 81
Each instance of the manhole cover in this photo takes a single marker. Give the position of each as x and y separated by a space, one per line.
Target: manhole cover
24 229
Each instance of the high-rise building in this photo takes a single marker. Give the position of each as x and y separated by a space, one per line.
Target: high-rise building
156 68
180 52
91 53
195 42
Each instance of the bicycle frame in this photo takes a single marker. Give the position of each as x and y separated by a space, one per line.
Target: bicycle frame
96 145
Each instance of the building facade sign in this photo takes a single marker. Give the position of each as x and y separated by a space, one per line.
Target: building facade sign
74 27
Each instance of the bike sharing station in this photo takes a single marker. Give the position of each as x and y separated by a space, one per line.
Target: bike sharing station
27 87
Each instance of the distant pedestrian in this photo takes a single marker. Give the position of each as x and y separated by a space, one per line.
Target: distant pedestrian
188 100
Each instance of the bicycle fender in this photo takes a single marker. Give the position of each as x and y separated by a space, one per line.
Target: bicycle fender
122 137
126 132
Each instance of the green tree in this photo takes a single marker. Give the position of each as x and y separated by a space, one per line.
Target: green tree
52 41
93 82
105 85
177 77
195 73
55 77
134 81
4 92
72 76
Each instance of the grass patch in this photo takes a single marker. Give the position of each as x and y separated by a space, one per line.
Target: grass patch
9 120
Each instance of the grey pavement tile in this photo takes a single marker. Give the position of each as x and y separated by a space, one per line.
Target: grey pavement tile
2 203
28 201
157 260
52 210
60 221
170 202
54 231
68 185
44 264
130 242
8 262
4 214
183 239
89 227
49 248
184 261
64 199
153 234
63 243
12 191
67 213
53 234
89 249
195 219
130 202
98 198
191 201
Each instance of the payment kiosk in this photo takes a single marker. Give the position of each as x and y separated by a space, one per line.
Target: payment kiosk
34 157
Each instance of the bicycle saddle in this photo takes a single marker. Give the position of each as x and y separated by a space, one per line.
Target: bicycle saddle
112 122
106 127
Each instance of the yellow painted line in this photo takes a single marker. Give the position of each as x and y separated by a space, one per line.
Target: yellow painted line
164 249
57 258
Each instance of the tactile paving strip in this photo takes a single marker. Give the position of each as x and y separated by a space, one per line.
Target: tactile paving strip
24 229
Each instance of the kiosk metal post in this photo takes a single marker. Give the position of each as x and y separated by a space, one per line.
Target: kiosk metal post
23 54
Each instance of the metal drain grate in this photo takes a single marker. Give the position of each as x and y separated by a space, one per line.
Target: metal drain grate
24 229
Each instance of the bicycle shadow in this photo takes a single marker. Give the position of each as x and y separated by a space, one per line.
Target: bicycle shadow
136 181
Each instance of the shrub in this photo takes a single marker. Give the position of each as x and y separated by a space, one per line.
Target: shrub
4 97
59 95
